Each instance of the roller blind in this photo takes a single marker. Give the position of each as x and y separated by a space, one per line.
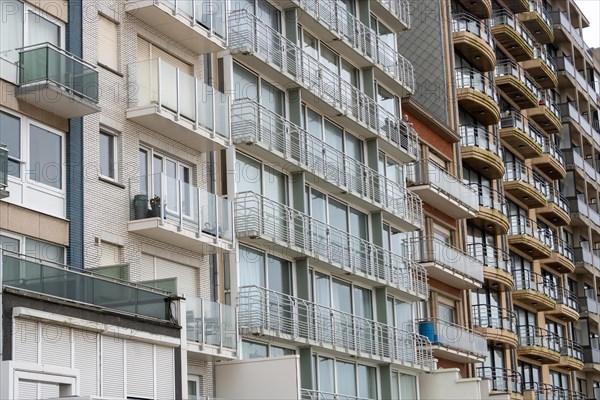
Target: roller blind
107 43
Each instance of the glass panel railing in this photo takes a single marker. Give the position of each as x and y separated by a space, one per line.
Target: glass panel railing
564 64
571 349
505 17
535 5
479 136
490 198
466 22
514 119
72 284
45 62
209 14
440 332
512 68
528 280
517 171
568 298
3 167
471 78
532 336
541 53
211 323
488 316
520 225
554 196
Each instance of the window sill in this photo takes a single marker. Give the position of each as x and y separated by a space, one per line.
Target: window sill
114 71
110 181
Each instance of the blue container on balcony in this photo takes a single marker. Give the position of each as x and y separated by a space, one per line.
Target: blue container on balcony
427 329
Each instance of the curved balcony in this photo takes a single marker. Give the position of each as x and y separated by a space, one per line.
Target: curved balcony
542 391
517 84
571 355
477 94
497 265
552 162
525 236
502 380
446 263
474 40
453 342
517 6
480 8
538 21
283 317
262 221
481 150
492 215
532 289
542 68
520 134
558 210
266 49
525 185
538 344
567 305
273 138
512 35
546 114
496 324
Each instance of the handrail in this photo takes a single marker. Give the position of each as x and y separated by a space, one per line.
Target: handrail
490 198
571 349
529 280
541 53
568 298
197 13
556 197
535 5
505 17
480 136
514 119
399 9
510 67
552 148
518 171
503 379
533 336
468 22
471 78
311 394
546 99
490 256
521 225
490 316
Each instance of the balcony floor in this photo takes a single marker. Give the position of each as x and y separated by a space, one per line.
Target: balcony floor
449 353
430 195
450 276
51 97
200 352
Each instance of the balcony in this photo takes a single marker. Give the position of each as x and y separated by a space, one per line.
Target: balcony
563 258
279 316
535 291
566 72
480 149
480 8
272 137
558 210
590 308
453 342
512 35
261 47
567 306
170 102
492 215
57 81
520 134
591 358
525 236
77 286
446 263
477 94
346 34
497 265
395 14
516 84
574 161
262 221
571 355
496 323
502 380
538 344
584 259
3 172
538 21
197 25
180 214
552 162
525 185
211 330
542 69
441 190
517 6
581 213
543 391
473 39
546 114
571 116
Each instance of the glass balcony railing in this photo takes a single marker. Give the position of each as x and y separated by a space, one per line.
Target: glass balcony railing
448 334
536 5
517 171
511 68
491 198
547 59
528 280
532 336
263 311
471 78
309 394
549 147
207 14
514 119
466 22
554 196
3 167
490 256
76 285
488 316
568 298
181 204
547 100
591 354
589 305
211 323
258 216
249 33
157 83
502 379
255 123
520 225
505 17
479 136
46 63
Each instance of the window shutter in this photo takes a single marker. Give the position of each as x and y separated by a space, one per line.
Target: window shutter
56 345
165 368
140 370
26 340
109 254
85 348
112 367
187 277
108 50
146 267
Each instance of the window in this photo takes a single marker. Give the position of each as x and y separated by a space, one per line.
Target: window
345 378
108 155
10 135
261 350
194 387
107 43
32 247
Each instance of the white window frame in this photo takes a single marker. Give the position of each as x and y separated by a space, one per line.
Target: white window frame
23 246
198 381
115 154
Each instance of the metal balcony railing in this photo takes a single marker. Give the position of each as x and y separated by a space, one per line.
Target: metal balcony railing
514 119
502 379
554 196
46 63
547 100
541 53
156 82
571 349
181 204
80 286
302 320
309 394
252 122
544 391
536 5
490 256
568 298
3 167
427 172
249 33
448 334
489 316
209 15
479 136
528 280
431 249
466 22
505 17
532 336
398 8
256 216
549 147
517 171
211 323
520 225
512 68
491 198
363 39
471 78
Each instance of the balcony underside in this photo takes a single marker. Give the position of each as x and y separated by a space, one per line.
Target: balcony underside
530 246
504 336
535 299
475 49
521 142
591 367
389 19
545 119
480 105
56 100
480 8
500 276
559 263
179 28
542 74
450 276
550 166
538 353
449 353
516 90
517 6
565 312
165 122
569 363
525 193
553 213
492 221
430 195
168 232
566 80
203 352
487 162
541 31
512 41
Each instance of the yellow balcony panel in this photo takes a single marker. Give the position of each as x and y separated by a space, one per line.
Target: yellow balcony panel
477 103
539 25
554 213
531 289
529 245
475 49
496 324
480 159
541 72
520 140
535 299
565 312
503 336
491 220
480 8
551 164
570 363
541 354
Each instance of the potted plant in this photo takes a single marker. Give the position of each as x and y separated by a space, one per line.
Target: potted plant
155 206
